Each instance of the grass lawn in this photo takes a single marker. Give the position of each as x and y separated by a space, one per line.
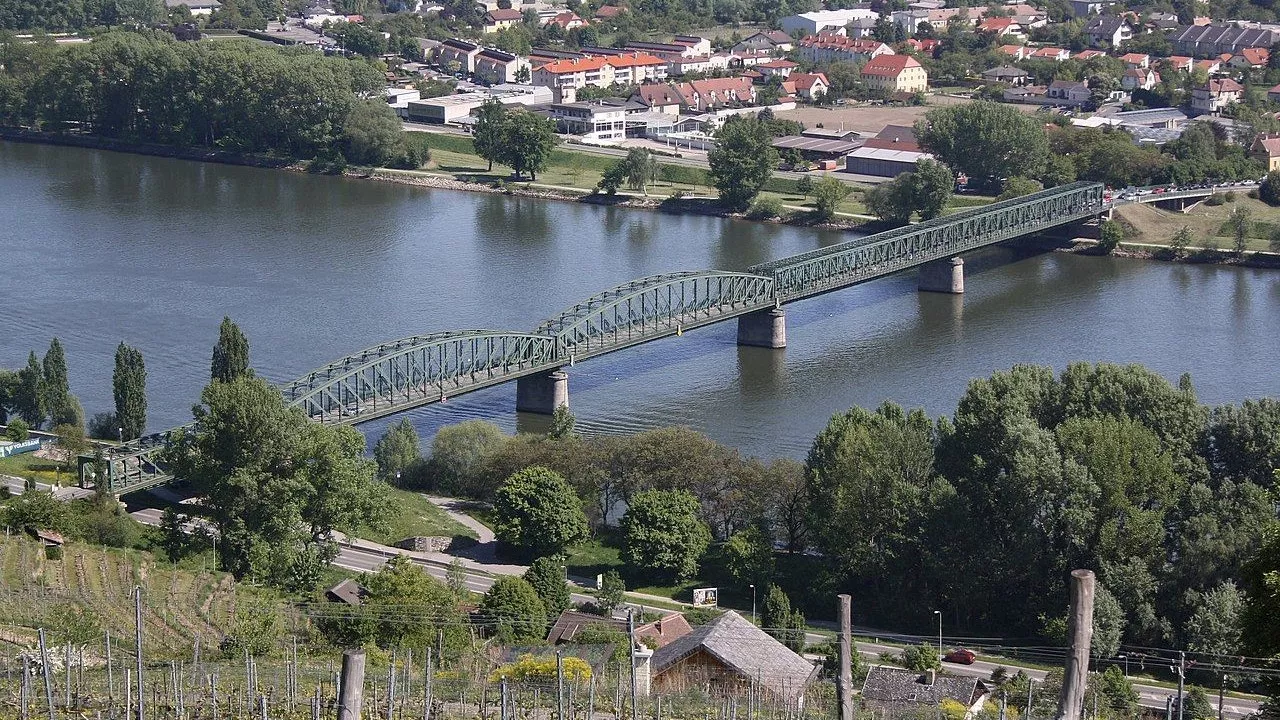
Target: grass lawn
27 465
412 516
594 557
1149 224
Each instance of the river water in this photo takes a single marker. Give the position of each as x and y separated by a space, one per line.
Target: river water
98 247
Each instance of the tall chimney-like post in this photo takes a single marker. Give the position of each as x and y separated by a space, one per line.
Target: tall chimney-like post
1079 639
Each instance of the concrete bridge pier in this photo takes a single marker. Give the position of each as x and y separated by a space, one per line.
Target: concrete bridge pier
763 328
943 276
542 392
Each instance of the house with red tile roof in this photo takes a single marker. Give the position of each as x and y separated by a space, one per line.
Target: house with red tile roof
495 20
658 97
1215 95
566 20
1017 52
829 47
1254 57
1179 62
925 46
1088 55
1050 53
1136 60
715 93
609 12
780 68
895 73
810 84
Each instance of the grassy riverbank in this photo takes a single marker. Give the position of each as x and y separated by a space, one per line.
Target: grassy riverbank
1149 225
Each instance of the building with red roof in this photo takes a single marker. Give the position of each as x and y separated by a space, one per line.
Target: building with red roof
895 73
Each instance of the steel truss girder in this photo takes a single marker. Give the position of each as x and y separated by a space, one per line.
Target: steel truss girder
415 371
653 307
841 265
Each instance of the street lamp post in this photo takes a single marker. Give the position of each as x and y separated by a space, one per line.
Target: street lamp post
939 614
1125 656
753 604
120 434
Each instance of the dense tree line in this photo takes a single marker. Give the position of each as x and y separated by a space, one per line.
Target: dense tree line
144 86
40 393
982 513
992 143
73 15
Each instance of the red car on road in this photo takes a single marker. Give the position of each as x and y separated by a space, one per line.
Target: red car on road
960 656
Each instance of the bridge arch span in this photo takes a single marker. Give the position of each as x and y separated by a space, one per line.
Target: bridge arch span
395 376
653 307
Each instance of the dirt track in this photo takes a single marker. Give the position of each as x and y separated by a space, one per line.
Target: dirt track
871 119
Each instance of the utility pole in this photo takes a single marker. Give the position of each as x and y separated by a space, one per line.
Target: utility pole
137 642
1182 680
631 642
844 687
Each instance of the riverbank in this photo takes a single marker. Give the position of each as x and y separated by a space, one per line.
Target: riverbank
1190 255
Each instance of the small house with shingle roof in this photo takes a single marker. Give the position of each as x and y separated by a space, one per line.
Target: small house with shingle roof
572 622
892 688
731 652
348 592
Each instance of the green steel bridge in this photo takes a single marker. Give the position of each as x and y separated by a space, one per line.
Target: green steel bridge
422 369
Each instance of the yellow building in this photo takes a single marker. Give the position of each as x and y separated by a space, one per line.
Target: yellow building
1266 148
895 73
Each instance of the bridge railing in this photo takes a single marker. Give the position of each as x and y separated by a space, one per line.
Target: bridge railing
842 265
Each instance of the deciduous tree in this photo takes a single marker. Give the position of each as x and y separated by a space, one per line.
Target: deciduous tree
397 451
547 577
275 484
931 186
986 141
742 161
538 513
528 140
828 193
662 534
514 610
371 133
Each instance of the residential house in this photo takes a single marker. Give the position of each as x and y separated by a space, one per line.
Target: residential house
1210 66
1107 31
609 12
462 52
1017 52
197 7
1051 53
1000 26
860 28
910 20
810 84
1178 62
1136 60
811 23
1084 55
891 689
496 67
665 630
1028 16
637 68
666 51
1007 74
1273 94
496 20
777 68
715 93
1138 79
695 44
566 21
347 592
541 56
770 40
1032 94
1251 58
1217 38
564 77
685 65
658 97
895 73
1085 8
827 48
730 653
924 46
1266 149
1216 95
1069 92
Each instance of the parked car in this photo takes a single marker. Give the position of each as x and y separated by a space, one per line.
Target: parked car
960 656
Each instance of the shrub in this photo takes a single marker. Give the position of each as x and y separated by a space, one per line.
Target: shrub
1111 236
766 208
1230 196
18 430
921 658
1213 200
1269 191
